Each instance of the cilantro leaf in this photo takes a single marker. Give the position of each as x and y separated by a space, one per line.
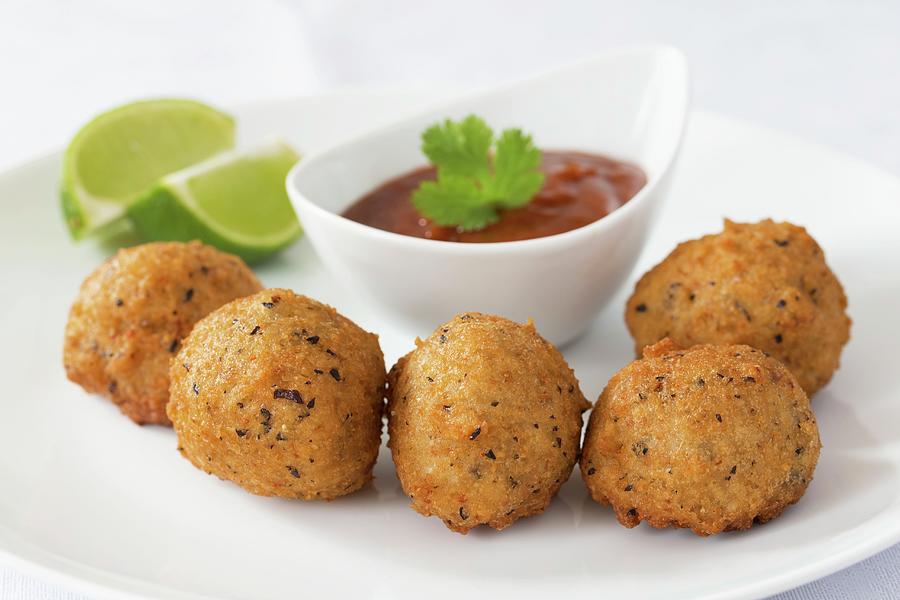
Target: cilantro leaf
459 148
516 176
454 201
472 183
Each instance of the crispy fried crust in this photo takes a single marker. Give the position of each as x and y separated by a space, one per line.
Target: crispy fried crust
132 312
485 422
282 395
764 284
713 438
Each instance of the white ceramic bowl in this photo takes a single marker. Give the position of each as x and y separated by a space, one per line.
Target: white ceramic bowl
629 104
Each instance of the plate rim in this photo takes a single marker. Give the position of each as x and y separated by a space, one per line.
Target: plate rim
81 578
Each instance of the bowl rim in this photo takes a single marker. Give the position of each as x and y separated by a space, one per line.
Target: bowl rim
565 238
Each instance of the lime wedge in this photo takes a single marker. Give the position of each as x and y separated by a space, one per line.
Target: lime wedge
235 201
121 153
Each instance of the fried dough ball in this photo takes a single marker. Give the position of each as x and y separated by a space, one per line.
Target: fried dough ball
713 438
485 422
764 284
282 395
131 315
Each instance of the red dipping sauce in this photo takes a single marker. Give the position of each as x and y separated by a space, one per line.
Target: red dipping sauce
579 188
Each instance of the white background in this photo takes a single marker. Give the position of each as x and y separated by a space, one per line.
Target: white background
826 71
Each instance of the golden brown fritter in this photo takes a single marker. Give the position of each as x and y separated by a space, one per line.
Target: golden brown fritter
764 284
132 313
713 438
282 395
485 422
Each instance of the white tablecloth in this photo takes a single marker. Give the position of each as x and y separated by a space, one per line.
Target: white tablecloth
826 70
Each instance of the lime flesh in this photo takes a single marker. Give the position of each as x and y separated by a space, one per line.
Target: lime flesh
234 201
121 153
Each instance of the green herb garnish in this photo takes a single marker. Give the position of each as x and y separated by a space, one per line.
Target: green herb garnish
476 177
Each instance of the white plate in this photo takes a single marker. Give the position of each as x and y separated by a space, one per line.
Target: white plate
112 509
